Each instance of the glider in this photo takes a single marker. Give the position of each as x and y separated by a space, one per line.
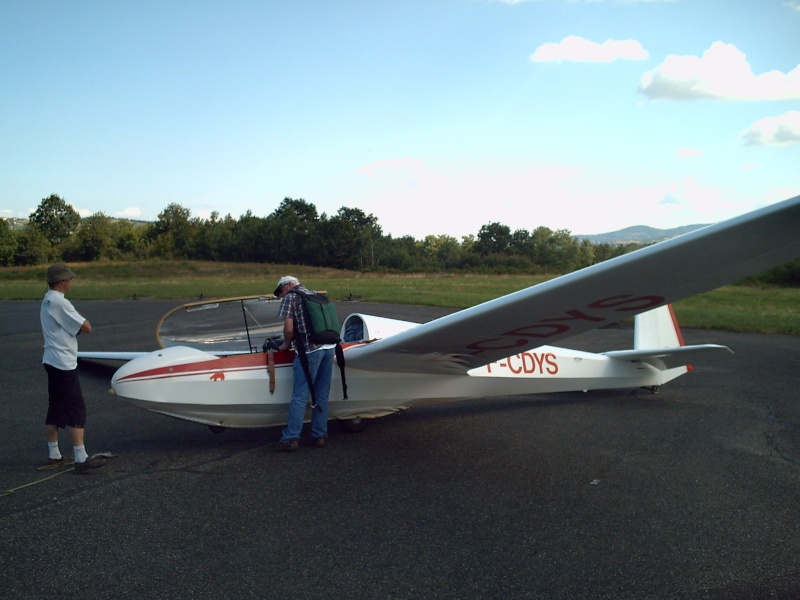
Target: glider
220 372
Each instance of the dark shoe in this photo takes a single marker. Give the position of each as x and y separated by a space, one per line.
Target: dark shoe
88 465
56 461
289 446
320 442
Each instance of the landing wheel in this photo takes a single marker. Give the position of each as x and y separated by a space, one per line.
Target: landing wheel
217 428
654 389
354 425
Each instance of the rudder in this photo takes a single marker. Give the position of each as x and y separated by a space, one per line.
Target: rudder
657 328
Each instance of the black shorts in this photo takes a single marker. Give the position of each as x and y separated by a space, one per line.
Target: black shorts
66 406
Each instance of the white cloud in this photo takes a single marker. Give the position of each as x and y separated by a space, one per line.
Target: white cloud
795 4
129 213
774 131
689 202
689 152
577 49
419 198
670 200
722 73
412 197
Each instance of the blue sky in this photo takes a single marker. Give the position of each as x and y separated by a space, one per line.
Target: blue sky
436 116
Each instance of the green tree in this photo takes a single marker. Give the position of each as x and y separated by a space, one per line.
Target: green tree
94 239
56 219
587 254
441 252
602 252
173 232
787 274
249 241
522 243
32 247
214 238
399 253
8 244
291 233
494 238
566 251
543 247
129 239
350 239
468 244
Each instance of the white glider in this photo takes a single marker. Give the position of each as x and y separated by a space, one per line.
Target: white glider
498 348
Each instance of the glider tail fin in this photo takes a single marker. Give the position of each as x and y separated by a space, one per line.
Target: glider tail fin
657 341
657 329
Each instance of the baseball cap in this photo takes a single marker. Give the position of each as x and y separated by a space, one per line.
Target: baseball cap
284 281
59 272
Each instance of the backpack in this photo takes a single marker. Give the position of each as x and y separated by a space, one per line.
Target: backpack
321 318
324 328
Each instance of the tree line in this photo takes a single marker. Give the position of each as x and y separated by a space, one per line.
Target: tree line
295 233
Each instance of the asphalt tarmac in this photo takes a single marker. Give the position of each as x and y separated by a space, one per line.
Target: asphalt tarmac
692 493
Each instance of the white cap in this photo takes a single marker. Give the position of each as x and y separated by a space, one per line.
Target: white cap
283 281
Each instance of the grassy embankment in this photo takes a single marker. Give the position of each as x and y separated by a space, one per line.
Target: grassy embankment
733 307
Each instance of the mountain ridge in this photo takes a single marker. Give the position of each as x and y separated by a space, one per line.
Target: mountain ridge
637 234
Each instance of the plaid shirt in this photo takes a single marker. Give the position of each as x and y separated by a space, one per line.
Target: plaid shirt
292 307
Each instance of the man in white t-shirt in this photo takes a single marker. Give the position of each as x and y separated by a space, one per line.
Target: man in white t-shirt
61 324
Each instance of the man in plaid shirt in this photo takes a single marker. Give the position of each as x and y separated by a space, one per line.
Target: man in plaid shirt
320 369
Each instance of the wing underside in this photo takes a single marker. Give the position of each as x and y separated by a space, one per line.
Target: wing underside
593 297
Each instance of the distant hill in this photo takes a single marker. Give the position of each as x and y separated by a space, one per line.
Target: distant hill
638 234
15 223
21 223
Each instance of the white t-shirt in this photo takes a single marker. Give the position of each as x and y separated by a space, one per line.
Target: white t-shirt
60 326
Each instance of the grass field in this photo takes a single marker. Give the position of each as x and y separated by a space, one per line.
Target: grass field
733 307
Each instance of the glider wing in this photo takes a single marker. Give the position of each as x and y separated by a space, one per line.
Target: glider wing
592 297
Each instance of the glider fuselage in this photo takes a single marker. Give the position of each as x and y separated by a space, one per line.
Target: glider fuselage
234 391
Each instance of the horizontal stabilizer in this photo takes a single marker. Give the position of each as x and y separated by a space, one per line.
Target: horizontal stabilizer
671 357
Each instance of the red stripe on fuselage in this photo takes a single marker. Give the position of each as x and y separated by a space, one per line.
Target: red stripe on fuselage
215 365
256 360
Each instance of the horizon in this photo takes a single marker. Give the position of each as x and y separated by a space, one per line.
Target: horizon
690 226
568 114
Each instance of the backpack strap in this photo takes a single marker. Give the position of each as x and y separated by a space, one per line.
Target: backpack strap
303 358
271 370
340 362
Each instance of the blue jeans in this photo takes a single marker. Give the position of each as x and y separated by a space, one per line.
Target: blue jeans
320 365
